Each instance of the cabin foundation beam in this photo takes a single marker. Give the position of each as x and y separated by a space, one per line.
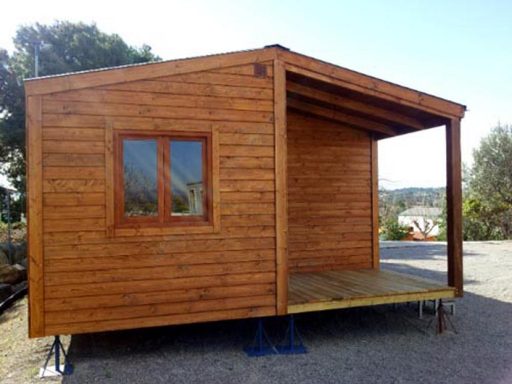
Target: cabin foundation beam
454 205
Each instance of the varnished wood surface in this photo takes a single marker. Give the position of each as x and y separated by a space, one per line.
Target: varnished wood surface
329 195
35 216
316 291
102 277
281 160
97 277
454 206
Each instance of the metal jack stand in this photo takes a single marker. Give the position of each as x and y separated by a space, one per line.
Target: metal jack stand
442 319
58 370
261 346
290 347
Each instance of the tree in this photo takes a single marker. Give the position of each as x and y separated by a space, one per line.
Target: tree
67 47
425 226
480 222
488 201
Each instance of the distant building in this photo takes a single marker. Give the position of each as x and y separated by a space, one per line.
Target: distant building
420 220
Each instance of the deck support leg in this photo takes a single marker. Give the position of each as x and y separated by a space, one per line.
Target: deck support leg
58 369
442 319
293 343
261 345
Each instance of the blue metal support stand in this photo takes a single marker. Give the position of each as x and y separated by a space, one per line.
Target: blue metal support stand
293 344
261 346
59 370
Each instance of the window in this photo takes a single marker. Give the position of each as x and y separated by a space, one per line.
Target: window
163 179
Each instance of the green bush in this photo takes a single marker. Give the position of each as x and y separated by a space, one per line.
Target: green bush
392 230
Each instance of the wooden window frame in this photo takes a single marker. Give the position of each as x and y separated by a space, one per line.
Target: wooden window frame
164 217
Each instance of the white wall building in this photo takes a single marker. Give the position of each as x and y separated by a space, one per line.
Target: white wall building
421 219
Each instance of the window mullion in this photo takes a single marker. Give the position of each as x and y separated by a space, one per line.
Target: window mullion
161 179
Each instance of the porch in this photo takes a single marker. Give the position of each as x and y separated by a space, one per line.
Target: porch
317 291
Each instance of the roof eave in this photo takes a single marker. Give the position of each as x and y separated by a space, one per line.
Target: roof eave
347 78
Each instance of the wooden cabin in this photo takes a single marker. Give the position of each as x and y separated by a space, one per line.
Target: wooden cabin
229 186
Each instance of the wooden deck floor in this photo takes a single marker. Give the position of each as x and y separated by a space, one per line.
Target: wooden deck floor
317 291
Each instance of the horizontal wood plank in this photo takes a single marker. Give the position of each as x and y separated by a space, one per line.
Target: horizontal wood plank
57 185
181 88
153 321
155 285
150 99
77 173
148 273
134 312
155 298
117 109
73 199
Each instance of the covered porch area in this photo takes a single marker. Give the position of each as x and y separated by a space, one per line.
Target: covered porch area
329 121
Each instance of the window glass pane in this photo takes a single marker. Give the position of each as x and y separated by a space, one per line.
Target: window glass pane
140 177
186 178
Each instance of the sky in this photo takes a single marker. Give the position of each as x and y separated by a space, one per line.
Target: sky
459 49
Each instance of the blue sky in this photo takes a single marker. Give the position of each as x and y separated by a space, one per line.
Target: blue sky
460 50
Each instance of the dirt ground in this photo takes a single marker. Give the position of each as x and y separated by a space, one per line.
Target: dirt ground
361 345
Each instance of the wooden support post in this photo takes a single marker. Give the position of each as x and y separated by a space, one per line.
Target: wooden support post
375 204
454 205
281 189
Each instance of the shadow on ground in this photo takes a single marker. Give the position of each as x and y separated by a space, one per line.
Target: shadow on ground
422 251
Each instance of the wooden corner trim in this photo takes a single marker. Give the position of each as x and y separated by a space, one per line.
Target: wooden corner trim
35 216
281 188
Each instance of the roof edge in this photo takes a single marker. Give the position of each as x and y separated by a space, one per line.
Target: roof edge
368 84
132 72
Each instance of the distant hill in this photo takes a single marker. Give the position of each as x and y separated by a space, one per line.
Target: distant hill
429 197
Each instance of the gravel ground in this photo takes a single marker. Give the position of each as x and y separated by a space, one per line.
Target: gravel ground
365 345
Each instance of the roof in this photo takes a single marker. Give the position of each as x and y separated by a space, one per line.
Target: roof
313 86
422 211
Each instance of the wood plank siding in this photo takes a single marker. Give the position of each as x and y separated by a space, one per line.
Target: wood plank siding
329 196
94 281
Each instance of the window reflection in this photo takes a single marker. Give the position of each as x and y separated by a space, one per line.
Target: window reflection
140 177
186 177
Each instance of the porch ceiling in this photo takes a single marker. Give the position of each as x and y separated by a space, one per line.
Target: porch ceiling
383 117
